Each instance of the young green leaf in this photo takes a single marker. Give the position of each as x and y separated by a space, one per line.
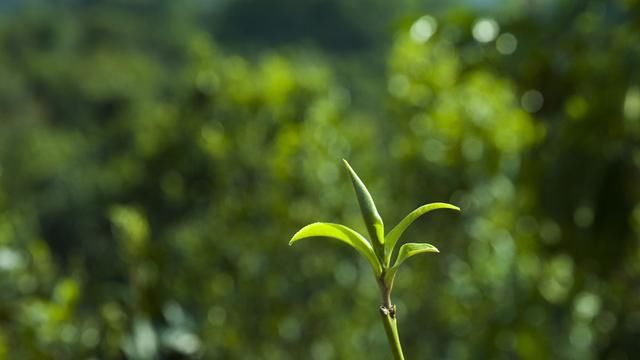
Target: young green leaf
398 230
410 249
344 234
407 251
372 219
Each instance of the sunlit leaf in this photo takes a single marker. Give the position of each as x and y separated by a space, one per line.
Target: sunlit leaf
407 251
342 233
394 235
372 219
410 249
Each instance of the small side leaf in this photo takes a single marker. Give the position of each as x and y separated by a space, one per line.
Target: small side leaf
344 234
372 219
396 232
407 251
410 249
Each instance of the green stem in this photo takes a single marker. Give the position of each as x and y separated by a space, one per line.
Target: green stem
388 313
391 328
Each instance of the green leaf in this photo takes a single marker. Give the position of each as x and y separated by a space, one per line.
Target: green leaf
372 219
396 232
344 234
410 249
407 251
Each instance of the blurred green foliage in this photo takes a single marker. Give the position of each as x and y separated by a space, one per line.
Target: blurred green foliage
156 156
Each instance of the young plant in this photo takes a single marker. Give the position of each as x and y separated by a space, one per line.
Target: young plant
379 250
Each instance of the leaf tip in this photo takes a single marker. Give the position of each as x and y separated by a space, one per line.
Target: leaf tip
296 236
346 165
448 206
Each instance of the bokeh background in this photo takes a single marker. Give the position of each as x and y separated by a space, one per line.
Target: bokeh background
156 157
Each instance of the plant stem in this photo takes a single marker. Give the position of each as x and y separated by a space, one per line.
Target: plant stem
391 328
388 313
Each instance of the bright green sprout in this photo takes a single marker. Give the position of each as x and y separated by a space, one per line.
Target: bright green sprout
379 251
